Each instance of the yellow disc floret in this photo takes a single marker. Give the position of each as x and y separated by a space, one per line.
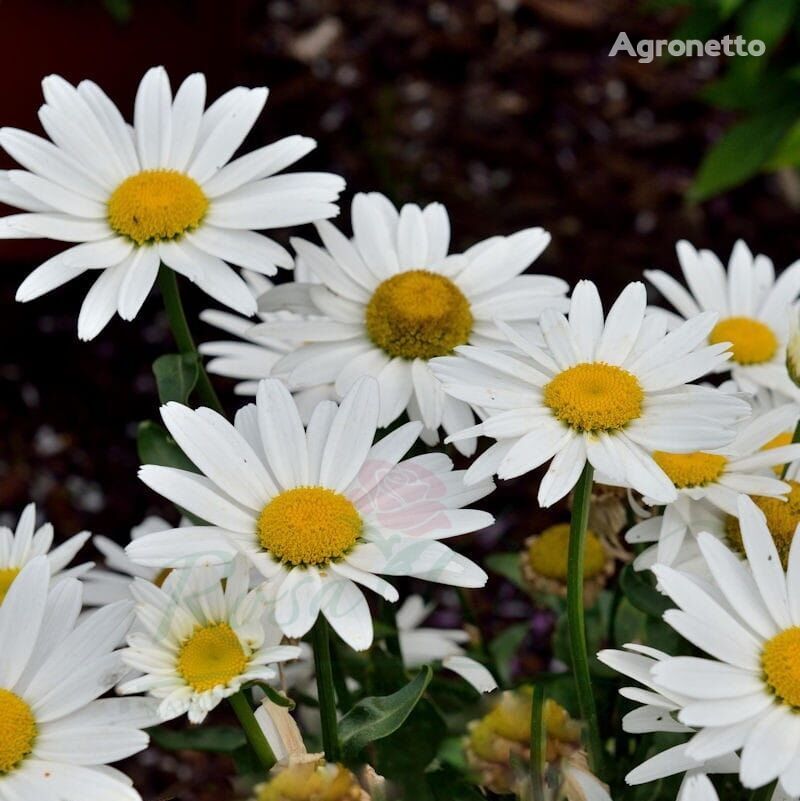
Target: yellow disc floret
593 396
17 731
418 315
695 469
547 553
309 526
155 205
310 782
752 342
783 517
211 657
780 660
7 576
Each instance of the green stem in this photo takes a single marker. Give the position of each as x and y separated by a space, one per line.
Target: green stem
258 742
537 744
763 793
325 689
170 292
795 439
575 616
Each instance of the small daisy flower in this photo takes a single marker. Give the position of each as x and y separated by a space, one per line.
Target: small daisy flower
607 391
420 645
544 562
198 642
250 358
163 191
57 735
753 309
316 511
28 541
657 713
745 695
498 751
394 300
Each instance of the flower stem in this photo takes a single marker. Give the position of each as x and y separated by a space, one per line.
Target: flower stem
168 282
575 616
255 736
537 744
325 689
795 439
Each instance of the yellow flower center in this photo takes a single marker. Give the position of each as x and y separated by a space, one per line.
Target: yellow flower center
156 204
211 657
783 518
7 576
418 315
594 396
691 469
17 731
752 342
780 660
309 526
548 552
310 782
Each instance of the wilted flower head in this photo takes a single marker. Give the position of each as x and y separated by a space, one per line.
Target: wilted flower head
312 782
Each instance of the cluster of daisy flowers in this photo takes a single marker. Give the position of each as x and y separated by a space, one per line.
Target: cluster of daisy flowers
386 385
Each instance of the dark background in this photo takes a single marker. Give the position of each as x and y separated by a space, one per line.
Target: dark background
508 111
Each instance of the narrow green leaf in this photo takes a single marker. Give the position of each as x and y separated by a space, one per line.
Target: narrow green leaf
176 376
504 647
741 152
640 591
377 717
218 739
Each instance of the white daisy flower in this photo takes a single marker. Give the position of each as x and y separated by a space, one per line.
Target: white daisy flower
746 694
198 642
56 737
609 392
28 541
250 358
420 645
753 308
317 512
113 582
161 191
394 299
747 465
657 713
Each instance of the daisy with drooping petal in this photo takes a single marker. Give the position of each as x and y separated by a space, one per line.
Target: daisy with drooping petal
316 511
713 480
57 735
165 191
251 358
746 694
420 645
657 714
28 541
753 309
394 299
607 391
199 642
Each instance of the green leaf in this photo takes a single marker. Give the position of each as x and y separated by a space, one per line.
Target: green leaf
508 566
176 376
641 592
156 446
374 718
504 647
768 20
787 154
741 152
218 739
